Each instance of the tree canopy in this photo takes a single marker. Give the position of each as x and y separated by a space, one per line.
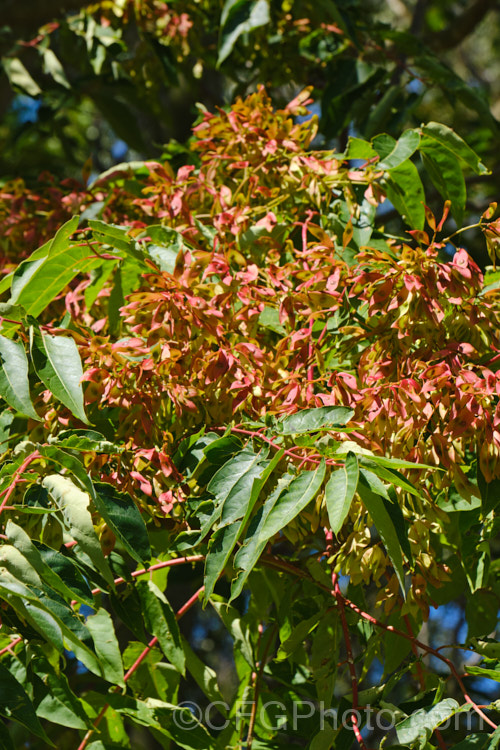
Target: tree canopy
249 375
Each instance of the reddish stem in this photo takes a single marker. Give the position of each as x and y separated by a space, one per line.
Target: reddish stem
156 566
350 660
429 650
17 478
287 567
310 369
290 453
11 645
182 611
420 671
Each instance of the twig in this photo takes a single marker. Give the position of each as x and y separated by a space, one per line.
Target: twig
17 478
257 677
287 567
350 660
11 645
182 611
156 566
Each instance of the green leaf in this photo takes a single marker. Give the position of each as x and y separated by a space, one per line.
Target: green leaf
159 619
357 148
232 484
15 705
486 647
226 480
106 646
494 740
403 148
421 724
168 244
385 527
451 141
236 627
38 280
240 497
373 482
116 300
52 66
474 742
55 621
490 674
118 237
240 17
404 189
124 518
221 545
74 505
175 722
19 77
481 613
24 545
14 384
70 463
389 475
340 490
58 365
311 420
5 738
60 705
446 174
294 499
254 543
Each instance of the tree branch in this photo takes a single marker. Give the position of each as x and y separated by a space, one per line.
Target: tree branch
461 27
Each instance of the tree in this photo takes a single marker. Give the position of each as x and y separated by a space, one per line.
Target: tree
235 362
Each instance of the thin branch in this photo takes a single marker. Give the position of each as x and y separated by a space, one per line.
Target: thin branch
257 679
288 568
461 27
152 643
350 660
17 477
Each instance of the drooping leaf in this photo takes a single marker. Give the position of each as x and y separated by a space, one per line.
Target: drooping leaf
240 17
385 527
58 365
16 705
159 619
124 519
446 174
37 281
238 629
14 384
241 497
451 141
221 545
231 480
60 705
421 724
294 499
340 490
405 191
389 475
48 572
255 542
106 646
403 148
74 505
